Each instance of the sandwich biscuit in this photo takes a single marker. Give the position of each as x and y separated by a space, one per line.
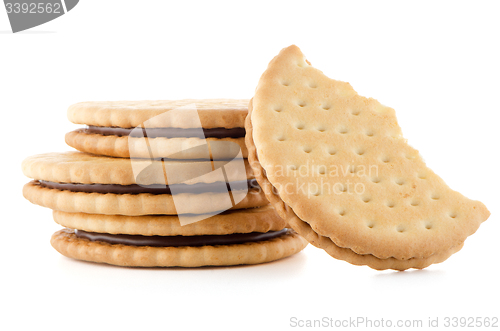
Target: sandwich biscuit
78 182
336 166
248 236
174 129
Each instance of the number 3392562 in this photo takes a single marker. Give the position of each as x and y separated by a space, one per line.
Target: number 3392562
33 8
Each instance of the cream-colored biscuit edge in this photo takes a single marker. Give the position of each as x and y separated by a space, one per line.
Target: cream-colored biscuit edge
213 113
178 148
84 168
66 243
135 204
262 219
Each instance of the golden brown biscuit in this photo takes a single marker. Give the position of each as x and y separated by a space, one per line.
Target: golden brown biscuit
68 244
80 182
84 168
317 140
136 204
213 113
178 148
261 219
167 128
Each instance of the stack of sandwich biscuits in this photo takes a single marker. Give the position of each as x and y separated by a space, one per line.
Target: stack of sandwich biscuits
156 184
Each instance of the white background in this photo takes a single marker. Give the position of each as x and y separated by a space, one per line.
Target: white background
436 63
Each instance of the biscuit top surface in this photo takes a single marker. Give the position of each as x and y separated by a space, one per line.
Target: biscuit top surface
83 168
340 162
213 113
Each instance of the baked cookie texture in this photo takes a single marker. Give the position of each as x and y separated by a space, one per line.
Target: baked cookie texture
213 114
126 211
85 168
336 166
68 244
173 148
136 204
263 219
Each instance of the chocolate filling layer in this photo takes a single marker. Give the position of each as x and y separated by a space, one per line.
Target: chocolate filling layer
168 132
170 241
152 189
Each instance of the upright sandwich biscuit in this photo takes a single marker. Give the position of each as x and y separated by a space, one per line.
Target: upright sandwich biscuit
247 236
111 127
80 182
336 167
